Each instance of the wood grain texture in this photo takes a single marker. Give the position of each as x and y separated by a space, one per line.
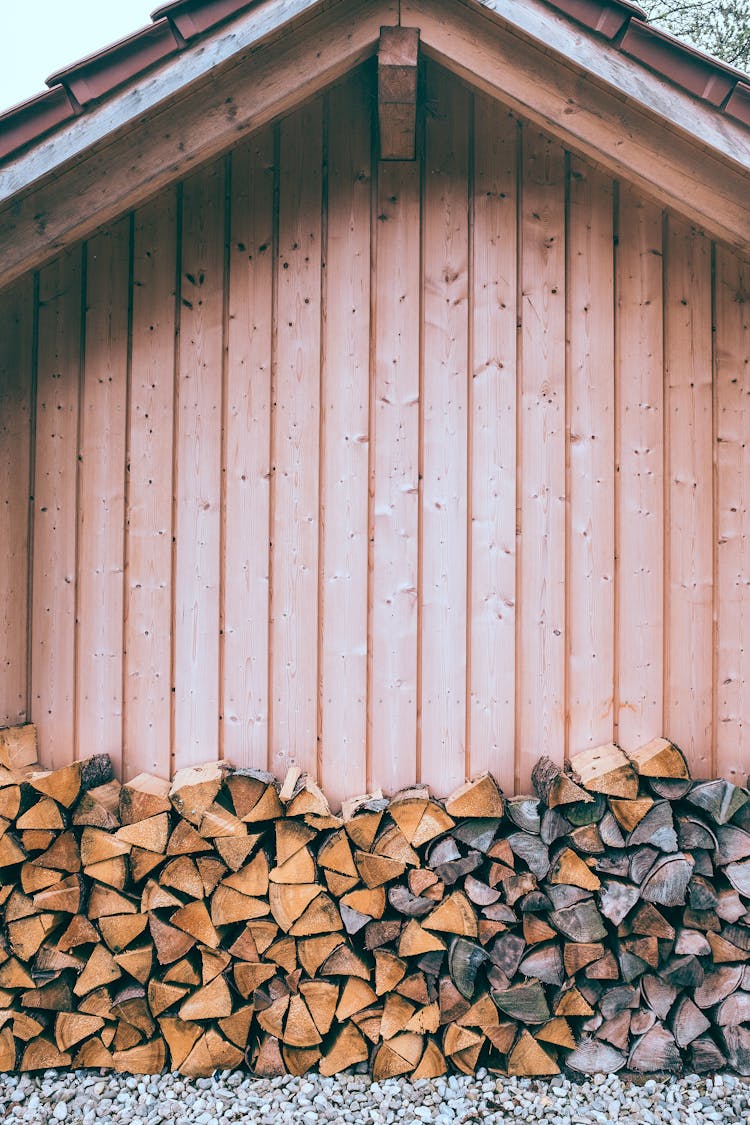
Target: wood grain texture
732 379
640 467
53 672
101 496
148 585
345 405
16 379
296 447
591 459
688 703
198 486
444 437
541 456
492 456
247 471
395 485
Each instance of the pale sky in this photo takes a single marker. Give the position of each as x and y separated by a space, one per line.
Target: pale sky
38 37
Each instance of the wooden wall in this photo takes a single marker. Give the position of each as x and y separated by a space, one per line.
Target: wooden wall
394 473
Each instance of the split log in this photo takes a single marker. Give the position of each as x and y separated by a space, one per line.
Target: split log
606 769
720 799
593 1056
18 746
688 1022
555 787
530 1059
479 797
524 1002
659 758
667 881
656 1051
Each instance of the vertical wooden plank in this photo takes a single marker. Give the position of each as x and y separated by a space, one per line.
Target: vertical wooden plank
591 459
732 377
55 482
101 496
344 473
492 458
640 465
197 565
148 608
247 449
16 354
688 704
294 562
541 457
444 435
395 485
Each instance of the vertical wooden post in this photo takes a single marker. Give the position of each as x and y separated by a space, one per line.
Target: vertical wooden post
398 57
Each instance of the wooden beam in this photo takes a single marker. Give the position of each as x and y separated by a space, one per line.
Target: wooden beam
398 58
698 166
144 155
537 23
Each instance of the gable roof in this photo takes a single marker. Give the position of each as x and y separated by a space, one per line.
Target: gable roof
593 72
74 89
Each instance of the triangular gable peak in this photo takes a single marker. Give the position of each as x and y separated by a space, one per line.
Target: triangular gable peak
651 111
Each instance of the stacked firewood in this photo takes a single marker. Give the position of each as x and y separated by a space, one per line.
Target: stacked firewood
223 920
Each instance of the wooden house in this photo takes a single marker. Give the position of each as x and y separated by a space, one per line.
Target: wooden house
375 393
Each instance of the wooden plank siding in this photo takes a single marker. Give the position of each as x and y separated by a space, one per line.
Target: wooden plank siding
16 425
247 464
639 464
732 515
590 586
101 495
540 487
147 677
393 471
443 587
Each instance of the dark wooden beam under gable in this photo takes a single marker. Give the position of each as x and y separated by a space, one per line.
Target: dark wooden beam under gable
398 58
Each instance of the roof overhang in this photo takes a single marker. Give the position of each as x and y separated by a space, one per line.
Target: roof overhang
573 83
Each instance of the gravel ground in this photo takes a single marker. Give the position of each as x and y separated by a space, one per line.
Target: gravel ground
87 1098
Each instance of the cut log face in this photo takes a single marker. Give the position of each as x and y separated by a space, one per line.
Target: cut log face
719 799
18 746
655 1051
688 1022
555 787
593 1056
580 922
479 797
667 881
660 758
526 1003
606 769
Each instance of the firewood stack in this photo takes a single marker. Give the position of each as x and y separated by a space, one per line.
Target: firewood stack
222 920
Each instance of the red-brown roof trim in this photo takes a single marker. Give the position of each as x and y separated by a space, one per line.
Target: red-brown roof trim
194 17
103 72
25 123
707 78
607 17
738 105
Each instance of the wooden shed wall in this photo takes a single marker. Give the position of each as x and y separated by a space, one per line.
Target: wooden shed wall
394 472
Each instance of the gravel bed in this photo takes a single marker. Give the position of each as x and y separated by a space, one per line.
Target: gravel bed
87 1098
